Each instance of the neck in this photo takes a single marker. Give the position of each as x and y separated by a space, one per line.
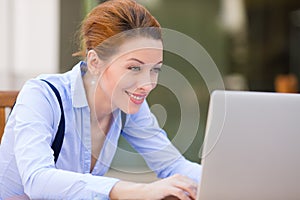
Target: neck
99 103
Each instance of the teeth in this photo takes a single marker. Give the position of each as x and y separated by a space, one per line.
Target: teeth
135 97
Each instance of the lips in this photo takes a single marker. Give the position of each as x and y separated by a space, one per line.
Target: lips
136 98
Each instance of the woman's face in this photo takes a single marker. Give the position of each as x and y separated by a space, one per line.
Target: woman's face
132 74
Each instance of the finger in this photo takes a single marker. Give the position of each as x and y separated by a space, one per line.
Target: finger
187 185
191 188
171 197
182 195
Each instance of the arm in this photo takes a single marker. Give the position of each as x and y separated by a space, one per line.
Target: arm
37 115
144 134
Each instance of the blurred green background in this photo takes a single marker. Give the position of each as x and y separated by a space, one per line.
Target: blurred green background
251 42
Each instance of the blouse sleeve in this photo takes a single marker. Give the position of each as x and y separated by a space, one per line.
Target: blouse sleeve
146 137
37 115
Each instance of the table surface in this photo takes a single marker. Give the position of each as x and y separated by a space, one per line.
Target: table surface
139 175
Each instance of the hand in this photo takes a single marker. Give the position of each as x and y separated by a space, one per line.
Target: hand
172 188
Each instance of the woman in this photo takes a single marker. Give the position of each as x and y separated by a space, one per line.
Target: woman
122 46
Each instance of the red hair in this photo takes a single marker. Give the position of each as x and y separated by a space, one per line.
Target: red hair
115 17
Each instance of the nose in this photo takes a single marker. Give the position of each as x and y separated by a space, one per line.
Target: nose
146 83
147 87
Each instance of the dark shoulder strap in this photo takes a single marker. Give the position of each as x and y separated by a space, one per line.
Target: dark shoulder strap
59 137
123 119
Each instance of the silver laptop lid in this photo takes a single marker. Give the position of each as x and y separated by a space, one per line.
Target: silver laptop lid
252 147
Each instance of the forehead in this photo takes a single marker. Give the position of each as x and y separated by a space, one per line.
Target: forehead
141 47
141 43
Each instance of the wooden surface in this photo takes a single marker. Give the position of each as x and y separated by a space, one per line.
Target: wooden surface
146 177
7 100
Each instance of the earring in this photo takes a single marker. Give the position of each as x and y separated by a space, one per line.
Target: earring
94 80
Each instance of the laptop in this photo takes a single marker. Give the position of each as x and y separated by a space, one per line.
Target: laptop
251 149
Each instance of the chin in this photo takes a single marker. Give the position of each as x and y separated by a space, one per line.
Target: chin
132 111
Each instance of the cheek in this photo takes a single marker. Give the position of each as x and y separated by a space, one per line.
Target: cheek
126 80
154 85
109 82
154 80
113 83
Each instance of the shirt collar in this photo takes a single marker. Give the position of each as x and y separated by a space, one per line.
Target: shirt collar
77 88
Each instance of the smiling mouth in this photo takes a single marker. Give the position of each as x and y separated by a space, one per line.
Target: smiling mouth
136 98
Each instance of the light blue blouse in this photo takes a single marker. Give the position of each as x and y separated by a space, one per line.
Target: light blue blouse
26 159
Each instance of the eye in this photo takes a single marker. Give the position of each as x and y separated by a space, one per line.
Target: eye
135 68
156 69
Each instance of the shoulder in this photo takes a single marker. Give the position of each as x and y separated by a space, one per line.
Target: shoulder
38 88
36 91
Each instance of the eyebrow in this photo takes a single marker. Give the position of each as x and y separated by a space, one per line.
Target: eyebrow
137 60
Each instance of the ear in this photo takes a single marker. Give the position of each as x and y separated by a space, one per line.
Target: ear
93 62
